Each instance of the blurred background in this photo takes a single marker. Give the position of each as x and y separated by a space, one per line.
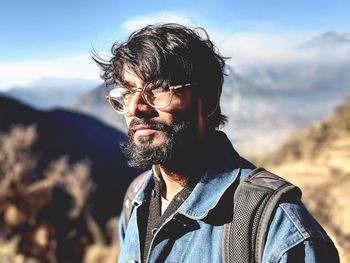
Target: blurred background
62 175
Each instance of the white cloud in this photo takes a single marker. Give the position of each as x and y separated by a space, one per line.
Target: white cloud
254 48
243 47
25 72
257 47
138 22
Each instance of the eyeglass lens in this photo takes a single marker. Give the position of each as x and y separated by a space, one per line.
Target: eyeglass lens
157 96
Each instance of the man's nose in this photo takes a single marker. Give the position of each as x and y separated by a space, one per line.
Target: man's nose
138 105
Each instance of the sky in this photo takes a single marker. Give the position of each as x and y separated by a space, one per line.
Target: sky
51 38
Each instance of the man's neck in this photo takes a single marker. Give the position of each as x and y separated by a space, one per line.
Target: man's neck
174 182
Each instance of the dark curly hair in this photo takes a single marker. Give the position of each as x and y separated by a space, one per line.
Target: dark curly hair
173 53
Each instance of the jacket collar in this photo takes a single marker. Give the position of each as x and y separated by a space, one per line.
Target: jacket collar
223 170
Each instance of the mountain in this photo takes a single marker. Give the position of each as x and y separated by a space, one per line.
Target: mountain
50 92
62 132
328 39
317 159
267 102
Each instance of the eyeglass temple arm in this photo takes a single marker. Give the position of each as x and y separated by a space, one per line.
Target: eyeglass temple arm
181 86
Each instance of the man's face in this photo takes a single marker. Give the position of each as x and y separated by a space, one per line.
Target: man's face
159 136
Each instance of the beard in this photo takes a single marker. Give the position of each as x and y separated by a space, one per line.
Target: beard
175 151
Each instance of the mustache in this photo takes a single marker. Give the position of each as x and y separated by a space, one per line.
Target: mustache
153 124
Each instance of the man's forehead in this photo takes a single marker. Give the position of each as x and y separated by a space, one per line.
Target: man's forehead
129 77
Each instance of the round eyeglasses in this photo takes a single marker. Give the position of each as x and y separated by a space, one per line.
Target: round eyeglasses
157 96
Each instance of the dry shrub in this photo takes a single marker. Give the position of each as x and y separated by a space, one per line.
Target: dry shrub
101 251
48 214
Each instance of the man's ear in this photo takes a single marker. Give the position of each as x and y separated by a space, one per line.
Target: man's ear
202 119
210 108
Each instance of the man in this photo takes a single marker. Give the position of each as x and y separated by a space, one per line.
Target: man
167 81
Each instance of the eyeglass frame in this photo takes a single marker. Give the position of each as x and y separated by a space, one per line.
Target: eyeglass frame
133 90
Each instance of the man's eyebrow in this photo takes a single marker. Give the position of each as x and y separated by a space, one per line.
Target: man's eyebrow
125 82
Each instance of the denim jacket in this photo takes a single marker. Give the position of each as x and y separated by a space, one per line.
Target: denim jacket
194 232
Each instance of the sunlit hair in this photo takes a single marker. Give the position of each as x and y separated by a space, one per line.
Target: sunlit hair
173 53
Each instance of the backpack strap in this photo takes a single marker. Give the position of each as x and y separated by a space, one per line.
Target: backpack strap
130 194
254 204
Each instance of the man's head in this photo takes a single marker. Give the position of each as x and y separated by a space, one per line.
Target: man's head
164 56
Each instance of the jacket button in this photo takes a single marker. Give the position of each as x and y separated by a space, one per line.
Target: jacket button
154 231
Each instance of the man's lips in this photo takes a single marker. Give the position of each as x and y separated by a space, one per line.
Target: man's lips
143 130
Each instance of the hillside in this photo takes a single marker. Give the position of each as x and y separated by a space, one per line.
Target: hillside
42 94
94 103
62 132
317 159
